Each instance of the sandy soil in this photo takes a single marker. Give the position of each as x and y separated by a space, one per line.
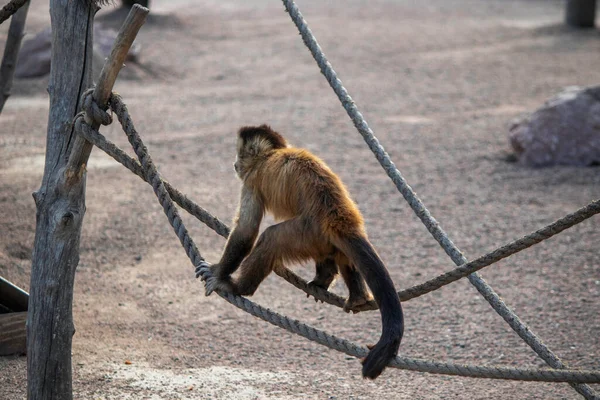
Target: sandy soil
438 81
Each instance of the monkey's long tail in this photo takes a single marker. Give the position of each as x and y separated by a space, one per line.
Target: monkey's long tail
363 255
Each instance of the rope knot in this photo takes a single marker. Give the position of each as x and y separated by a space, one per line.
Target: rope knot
93 110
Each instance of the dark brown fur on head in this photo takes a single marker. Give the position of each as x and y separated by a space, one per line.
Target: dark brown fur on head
249 133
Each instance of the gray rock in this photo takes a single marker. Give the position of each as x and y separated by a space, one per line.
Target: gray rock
35 53
565 131
34 56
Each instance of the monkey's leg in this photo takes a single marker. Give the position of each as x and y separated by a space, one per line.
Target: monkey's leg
287 240
325 274
359 291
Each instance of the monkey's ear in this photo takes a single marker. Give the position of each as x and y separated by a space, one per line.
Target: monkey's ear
250 133
253 148
240 145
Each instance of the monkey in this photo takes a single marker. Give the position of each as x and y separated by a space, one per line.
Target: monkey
319 221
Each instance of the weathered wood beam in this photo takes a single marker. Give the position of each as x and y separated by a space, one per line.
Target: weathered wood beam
131 26
12 297
12 333
60 209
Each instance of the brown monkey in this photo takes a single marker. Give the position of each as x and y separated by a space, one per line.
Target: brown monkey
320 222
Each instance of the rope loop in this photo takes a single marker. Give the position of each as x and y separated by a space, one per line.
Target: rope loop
92 109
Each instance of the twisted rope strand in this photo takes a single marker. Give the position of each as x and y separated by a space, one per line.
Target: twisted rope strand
417 205
412 364
153 177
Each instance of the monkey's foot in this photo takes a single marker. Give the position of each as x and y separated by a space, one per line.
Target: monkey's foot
354 302
213 283
317 284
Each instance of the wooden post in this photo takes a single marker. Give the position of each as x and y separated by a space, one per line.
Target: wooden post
60 203
580 13
13 313
11 52
132 24
12 333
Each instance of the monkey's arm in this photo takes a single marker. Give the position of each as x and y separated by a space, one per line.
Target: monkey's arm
242 237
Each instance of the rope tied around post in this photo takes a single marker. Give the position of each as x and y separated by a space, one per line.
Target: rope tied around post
145 168
92 111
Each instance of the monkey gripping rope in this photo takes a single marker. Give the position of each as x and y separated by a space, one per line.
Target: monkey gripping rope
145 168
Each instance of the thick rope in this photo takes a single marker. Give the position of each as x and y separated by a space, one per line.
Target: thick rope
331 298
151 174
412 364
134 166
416 204
12 7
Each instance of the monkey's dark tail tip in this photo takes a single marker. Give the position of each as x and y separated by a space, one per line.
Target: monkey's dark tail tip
379 357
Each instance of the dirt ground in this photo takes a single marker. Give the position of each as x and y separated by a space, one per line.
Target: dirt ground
439 82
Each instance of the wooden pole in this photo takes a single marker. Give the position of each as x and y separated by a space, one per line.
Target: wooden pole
580 13
134 21
11 52
60 202
60 209
12 333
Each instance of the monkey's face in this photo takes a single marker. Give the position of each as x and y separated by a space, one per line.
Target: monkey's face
236 166
240 156
249 152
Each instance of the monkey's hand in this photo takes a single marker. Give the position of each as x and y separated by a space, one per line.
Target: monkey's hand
201 269
224 284
214 281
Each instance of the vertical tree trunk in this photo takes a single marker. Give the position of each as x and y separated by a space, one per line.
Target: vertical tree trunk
580 13
61 199
130 3
11 52
60 205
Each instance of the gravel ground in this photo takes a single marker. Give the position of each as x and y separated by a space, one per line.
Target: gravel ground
439 82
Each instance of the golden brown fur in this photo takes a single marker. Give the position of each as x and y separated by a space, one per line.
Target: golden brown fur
320 222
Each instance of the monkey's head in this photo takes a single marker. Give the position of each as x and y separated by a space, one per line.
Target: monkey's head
255 143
